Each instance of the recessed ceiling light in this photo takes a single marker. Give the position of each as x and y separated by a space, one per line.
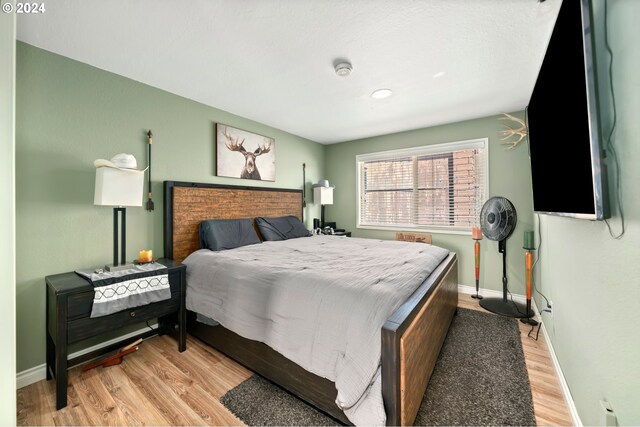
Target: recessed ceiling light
381 93
438 75
343 69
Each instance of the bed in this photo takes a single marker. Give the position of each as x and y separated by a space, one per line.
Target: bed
411 336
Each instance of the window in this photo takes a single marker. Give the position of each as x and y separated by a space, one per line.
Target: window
436 187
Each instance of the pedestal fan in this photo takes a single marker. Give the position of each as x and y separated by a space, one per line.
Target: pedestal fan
498 220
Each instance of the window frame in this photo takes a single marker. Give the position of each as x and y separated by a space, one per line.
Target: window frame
425 150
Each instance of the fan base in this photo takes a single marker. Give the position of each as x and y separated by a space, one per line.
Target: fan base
508 309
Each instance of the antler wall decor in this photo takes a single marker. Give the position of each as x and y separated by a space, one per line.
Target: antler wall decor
520 132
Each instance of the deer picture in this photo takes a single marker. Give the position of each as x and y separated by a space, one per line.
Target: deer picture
250 170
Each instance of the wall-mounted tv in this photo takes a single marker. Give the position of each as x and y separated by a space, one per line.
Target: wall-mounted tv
567 158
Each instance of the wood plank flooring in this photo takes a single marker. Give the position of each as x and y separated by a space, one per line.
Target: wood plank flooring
159 386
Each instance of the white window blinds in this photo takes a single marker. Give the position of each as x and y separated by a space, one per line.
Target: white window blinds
439 186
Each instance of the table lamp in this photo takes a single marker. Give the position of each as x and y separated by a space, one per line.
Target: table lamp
323 194
118 184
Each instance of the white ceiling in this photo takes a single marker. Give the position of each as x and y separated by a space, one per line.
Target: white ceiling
272 60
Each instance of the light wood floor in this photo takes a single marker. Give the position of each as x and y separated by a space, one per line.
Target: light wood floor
159 386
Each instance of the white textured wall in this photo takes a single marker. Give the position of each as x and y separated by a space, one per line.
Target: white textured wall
7 221
593 279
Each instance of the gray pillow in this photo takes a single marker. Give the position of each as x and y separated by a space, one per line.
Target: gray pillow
222 234
281 228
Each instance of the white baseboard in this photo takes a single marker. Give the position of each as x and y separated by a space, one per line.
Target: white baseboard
563 382
37 373
31 375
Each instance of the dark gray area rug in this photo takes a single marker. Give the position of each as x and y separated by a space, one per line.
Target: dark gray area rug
480 378
259 402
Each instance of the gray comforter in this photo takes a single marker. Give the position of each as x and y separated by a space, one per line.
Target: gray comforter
320 301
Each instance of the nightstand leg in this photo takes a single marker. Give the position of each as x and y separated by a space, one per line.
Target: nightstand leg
182 329
50 346
182 315
61 377
61 352
51 356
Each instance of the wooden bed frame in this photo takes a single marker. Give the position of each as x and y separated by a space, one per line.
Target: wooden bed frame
411 338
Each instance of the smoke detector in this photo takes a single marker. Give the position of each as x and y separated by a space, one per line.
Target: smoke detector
343 69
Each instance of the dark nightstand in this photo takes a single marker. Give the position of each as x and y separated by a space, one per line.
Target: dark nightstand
69 302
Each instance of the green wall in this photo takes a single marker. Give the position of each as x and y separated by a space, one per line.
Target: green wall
509 177
68 115
593 279
7 220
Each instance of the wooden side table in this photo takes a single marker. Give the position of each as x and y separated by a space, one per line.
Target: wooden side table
69 302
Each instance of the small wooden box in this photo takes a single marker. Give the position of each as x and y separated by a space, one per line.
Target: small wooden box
414 237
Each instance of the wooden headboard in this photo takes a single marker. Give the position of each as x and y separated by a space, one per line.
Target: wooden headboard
186 204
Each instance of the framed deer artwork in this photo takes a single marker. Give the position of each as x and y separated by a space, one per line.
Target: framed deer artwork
245 155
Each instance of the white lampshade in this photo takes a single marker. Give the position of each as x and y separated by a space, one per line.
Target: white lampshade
117 187
323 195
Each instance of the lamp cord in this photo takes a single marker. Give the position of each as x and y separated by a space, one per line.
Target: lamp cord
533 281
537 333
610 145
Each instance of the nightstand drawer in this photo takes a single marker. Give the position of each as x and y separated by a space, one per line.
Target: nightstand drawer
87 327
80 304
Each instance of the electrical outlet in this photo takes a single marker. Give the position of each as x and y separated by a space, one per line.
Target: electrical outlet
607 416
548 309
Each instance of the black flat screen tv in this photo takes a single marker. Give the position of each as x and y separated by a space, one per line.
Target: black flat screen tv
567 159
